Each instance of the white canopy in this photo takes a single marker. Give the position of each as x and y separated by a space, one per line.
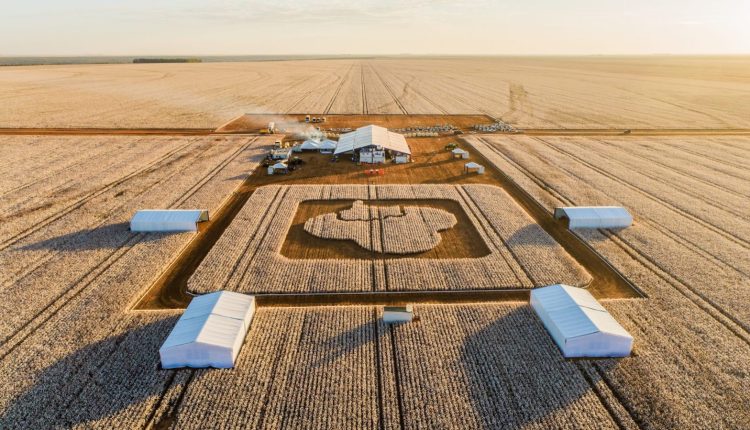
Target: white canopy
328 145
309 145
459 151
210 332
279 166
372 135
579 324
595 216
159 220
472 165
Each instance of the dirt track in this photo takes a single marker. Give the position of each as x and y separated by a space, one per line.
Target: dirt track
106 131
429 119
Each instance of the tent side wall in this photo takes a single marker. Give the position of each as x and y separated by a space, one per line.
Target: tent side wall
198 355
595 216
578 324
604 345
167 220
552 329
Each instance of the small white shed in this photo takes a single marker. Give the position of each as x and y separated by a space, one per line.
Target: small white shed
399 158
210 332
471 167
165 220
460 153
579 324
281 153
397 314
278 168
595 216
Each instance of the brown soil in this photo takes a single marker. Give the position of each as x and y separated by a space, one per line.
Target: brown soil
461 241
392 298
252 123
431 164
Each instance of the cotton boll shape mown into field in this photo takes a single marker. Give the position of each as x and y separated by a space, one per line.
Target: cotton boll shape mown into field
406 230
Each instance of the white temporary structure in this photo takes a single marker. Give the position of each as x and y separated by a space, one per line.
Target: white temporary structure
595 216
210 332
281 153
327 146
309 145
397 314
372 135
473 167
460 153
161 220
278 166
579 324
401 159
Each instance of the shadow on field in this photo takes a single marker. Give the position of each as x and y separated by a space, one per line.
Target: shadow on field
94 381
241 176
516 375
110 236
532 234
346 342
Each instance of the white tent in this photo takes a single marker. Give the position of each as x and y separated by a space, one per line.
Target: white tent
460 153
595 216
161 220
578 324
327 146
277 166
472 166
210 332
372 135
398 314
309 145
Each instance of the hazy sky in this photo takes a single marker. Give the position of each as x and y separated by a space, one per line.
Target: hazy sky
152 27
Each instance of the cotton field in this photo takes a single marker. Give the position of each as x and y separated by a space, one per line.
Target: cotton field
525 92
77 349
246 258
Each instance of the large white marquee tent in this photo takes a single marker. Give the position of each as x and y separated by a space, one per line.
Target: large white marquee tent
372 135
309 145
595 216
164 220
210 332
578 324
327 146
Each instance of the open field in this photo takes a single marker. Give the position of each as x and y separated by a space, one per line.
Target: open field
527 92
72 269
695 219
72 273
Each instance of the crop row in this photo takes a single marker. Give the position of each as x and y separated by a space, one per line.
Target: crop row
344 368
80 354
299 368
692 333
543 259
247 257
708 262
58 261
